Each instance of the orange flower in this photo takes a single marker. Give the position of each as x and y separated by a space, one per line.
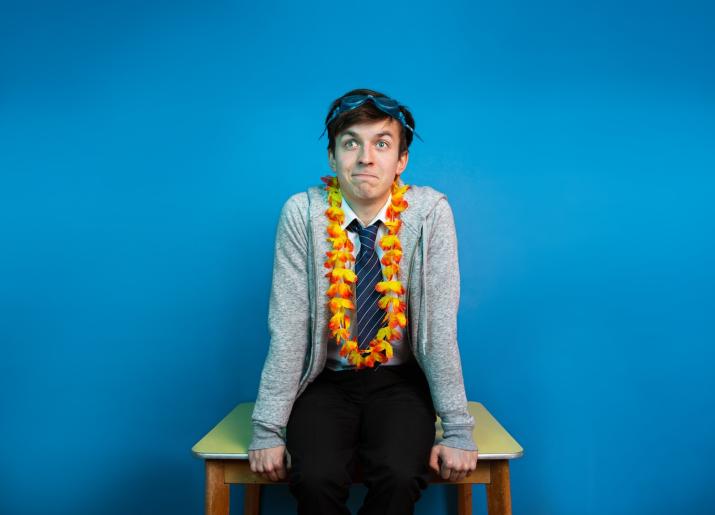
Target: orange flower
342 274
384 333
337 303
389 271
339 289
393 226
390 241
336 321
399 191
335 214
334 230
348 347
383 347
392 256
335 256
341 334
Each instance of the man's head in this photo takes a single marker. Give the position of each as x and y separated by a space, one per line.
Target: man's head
368 144
367 111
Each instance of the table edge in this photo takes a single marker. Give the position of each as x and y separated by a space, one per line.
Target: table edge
244 456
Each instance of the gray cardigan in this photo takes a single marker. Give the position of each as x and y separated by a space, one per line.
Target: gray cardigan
298 312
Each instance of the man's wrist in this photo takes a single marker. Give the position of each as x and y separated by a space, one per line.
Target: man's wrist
265 437
459 441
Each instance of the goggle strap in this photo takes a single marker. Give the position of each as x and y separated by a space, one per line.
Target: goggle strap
401 116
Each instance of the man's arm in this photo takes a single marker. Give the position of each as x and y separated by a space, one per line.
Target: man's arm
288 321
457 451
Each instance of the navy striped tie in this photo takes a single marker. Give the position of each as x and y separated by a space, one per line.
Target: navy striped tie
369 272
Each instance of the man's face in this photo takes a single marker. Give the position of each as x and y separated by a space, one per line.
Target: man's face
367 160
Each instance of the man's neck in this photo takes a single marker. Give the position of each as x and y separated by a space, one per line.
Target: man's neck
367 212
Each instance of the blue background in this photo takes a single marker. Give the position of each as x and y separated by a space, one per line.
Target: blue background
146 149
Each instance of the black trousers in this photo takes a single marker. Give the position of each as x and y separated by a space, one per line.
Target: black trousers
384 418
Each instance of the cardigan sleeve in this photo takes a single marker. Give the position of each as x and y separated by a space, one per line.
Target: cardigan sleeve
289 327
439 323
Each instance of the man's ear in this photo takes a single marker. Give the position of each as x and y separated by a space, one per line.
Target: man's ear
331 160
402 162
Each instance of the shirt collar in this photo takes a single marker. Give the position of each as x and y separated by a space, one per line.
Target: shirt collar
350 214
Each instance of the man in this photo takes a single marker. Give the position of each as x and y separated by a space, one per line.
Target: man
362 319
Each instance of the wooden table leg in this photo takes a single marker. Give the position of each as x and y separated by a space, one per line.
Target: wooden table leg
217 490
498 490
464 499
252 500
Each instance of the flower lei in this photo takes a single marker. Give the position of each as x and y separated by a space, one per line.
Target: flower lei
341 278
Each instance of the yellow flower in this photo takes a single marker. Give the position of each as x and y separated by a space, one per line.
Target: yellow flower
389 300
339 289
390 241
398 318
392 286
337 303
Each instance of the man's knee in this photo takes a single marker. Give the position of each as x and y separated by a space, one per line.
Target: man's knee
314 478
401 479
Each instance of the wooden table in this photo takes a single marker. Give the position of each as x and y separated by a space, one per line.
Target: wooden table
225 451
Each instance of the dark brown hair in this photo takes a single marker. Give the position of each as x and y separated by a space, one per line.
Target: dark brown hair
367 112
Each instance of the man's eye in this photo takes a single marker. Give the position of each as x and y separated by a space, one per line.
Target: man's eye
383 144
349 143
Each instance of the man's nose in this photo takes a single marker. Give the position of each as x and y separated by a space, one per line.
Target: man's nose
365 156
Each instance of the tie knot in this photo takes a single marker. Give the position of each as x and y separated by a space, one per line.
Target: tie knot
367 235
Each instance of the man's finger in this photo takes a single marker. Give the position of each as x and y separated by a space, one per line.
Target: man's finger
463 472
279 471
445 471
268 471
433 463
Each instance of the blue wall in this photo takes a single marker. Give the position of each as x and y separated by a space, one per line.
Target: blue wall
146 149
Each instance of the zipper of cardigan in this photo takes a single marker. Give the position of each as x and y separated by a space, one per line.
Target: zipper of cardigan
409 280
313 308
423 308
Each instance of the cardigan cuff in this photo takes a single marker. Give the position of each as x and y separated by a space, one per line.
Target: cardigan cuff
266 436
459 439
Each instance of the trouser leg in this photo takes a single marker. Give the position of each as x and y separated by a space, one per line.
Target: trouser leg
397 435
321 438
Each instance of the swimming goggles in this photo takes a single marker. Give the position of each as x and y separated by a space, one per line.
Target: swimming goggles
386 105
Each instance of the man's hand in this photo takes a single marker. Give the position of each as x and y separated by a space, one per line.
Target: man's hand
452 464
269 463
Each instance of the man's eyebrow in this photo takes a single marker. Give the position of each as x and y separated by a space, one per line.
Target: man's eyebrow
385 133
356 135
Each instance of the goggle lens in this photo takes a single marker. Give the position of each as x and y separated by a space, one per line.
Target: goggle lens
385 104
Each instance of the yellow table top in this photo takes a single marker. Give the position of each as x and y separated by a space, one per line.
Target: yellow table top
231 437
